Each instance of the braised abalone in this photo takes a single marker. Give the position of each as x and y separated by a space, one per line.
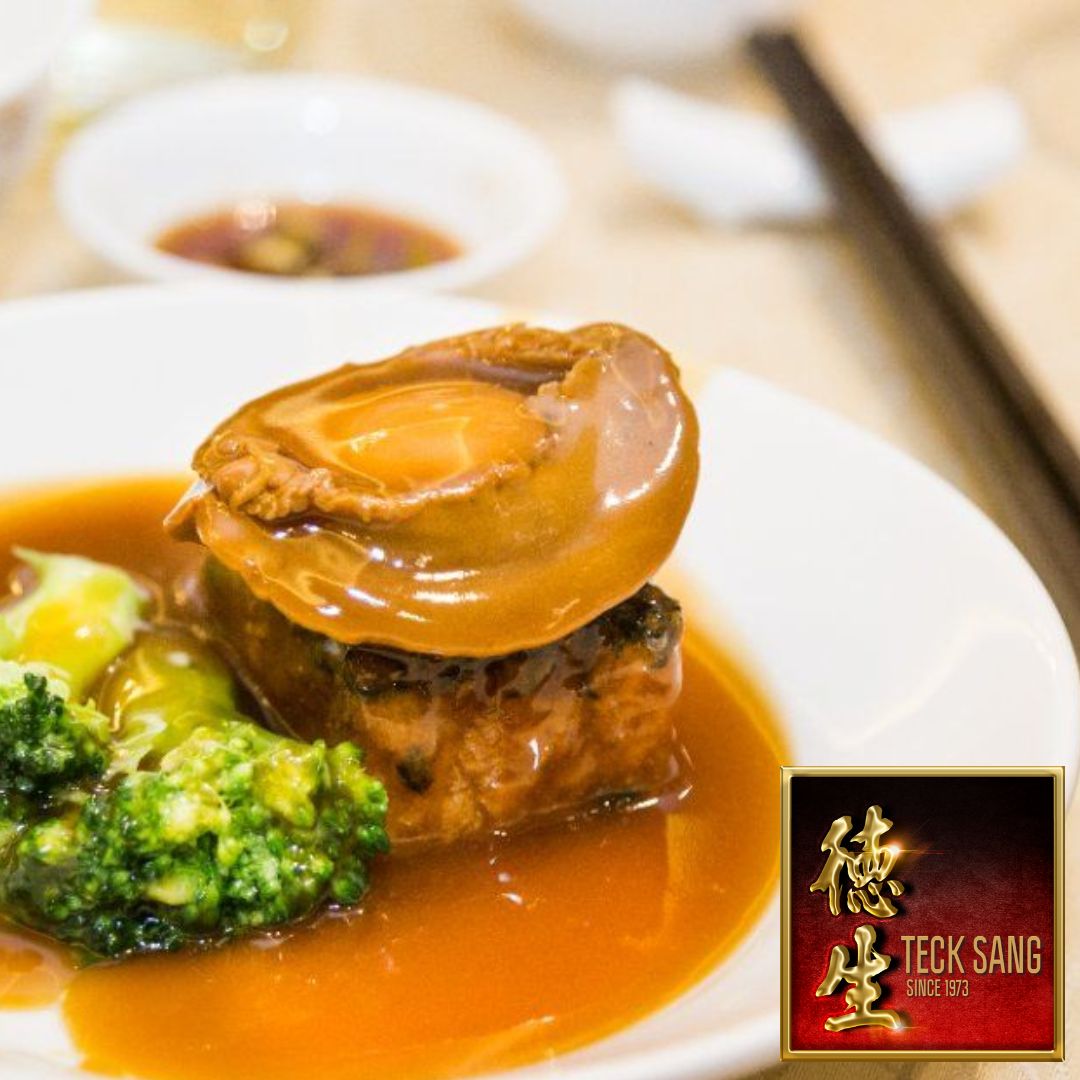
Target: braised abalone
444 556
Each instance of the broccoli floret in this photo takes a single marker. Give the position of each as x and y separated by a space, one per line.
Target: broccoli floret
46 744
77 619
162 816
237 829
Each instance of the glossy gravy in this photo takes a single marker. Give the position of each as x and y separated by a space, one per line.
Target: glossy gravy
482 956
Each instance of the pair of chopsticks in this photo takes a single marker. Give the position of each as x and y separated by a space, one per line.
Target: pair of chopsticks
1014 444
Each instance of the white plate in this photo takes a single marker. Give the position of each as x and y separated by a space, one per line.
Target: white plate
888 620
206 145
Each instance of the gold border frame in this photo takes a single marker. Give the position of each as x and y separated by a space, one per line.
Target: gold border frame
1057 773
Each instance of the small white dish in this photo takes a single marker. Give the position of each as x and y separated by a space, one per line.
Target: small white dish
204 146
31 36
888 620
642 34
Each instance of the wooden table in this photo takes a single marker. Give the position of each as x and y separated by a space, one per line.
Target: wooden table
789 305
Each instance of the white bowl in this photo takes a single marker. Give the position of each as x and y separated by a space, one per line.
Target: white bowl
887 618
31 35
205 145
647 34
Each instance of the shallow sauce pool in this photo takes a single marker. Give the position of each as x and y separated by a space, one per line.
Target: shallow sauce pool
478 957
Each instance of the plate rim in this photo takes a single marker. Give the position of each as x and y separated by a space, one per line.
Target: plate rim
749 1044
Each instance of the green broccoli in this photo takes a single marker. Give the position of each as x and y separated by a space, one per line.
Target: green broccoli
46 744
163 816
159 692
77 619
237 829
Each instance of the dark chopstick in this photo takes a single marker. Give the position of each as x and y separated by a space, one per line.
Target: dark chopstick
1017 448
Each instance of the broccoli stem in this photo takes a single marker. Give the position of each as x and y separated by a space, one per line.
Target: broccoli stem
77 619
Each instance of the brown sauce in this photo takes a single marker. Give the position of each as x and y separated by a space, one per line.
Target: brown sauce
294 239
476 957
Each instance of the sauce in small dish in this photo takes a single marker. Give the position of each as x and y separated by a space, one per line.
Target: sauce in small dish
311 240
488 954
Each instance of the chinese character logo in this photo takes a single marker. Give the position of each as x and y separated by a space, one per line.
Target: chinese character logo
867 870
861 976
